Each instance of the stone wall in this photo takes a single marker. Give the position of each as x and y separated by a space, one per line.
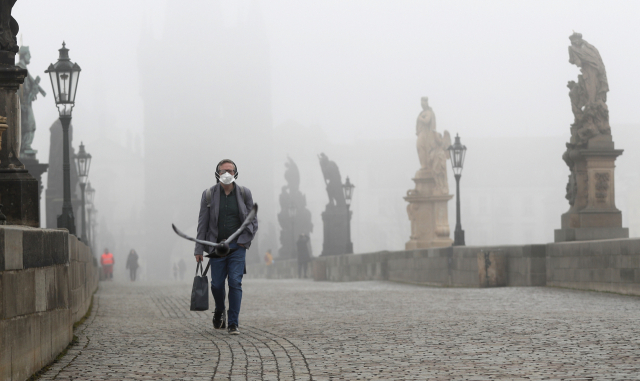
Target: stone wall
608 265
280 269
447 266
605 265
47 278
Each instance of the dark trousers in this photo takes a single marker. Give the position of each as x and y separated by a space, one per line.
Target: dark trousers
232 267
132 273
302 269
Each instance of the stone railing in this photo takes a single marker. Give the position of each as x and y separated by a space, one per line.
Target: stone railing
448 266
611 265
606 265
47 278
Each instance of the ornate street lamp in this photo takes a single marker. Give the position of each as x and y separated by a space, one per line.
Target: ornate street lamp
83 164
347 188
64 76
90 193
457 153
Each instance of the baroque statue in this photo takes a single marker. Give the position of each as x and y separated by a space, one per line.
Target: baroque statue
589 95
28 92
336 218
590 153
333 180
294 217
8 27
588 103
432 148
427 209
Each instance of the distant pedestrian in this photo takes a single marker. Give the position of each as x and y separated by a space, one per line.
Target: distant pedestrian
304 254
132 264
268 258
107 261
175 271
182 267
223 208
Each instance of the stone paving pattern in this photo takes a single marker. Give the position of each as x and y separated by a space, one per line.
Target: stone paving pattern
304 330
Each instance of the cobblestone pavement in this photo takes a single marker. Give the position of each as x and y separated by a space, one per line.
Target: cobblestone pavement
303 330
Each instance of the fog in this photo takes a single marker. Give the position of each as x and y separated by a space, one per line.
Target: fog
169 88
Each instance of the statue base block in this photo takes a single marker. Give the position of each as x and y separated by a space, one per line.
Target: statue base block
337 237
20 199
593 215
589 234
429 221
36 169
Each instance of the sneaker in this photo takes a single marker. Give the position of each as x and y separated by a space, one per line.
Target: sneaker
219 319
233 330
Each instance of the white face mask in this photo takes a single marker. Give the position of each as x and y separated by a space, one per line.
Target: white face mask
227 178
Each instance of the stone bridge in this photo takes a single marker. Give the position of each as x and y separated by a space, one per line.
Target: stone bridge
309 330
305 330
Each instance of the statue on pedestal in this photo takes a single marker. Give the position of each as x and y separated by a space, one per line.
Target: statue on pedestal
590 153
427 207
336 217
432 148
18 189
294 217
28 92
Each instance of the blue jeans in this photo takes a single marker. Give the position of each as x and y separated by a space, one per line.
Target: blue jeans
231 266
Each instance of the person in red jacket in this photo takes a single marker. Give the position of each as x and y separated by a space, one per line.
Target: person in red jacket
107 262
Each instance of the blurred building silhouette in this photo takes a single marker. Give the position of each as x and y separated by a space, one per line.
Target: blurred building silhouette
54 191
203 102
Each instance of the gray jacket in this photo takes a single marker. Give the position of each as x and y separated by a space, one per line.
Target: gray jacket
208 218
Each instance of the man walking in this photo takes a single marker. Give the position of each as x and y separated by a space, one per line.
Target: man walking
223 208
132 264
304 255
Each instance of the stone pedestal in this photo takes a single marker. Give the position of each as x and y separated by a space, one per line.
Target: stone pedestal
18 189
337 231
428 214
35 168
593 214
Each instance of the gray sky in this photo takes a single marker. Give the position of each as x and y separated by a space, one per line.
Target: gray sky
358 68
348 71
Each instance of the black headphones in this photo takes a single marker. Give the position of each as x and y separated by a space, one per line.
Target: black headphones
235 176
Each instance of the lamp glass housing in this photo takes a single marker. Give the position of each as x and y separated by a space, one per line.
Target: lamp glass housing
347 188
90 193
83 164
457 153
64 76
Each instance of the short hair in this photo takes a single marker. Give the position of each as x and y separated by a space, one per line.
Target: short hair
223 161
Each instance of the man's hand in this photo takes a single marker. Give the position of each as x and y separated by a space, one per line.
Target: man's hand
241 245
198 258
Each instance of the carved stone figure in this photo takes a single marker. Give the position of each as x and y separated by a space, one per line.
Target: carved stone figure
336 218
28 92
589 95
432 148
19 190
333 181
8 27
590 153
294 217
427 209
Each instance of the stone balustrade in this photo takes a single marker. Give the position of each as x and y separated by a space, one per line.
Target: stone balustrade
47 278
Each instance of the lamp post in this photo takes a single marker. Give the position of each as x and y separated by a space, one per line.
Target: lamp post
90 194
457 153
64 76
83 164
292 216
347 188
